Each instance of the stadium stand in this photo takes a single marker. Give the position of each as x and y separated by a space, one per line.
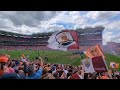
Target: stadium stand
11 41
87 37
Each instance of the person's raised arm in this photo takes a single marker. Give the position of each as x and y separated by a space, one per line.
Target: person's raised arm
41 62
82 71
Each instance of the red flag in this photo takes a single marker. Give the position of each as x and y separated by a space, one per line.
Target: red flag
99 64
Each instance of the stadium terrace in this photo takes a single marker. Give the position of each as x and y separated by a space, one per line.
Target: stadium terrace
14 41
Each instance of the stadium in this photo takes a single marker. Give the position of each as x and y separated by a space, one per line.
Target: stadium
32 46
14 41
36 44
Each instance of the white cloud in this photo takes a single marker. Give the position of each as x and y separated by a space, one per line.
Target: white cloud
71 17
108 32
64 17
106 37
101 15
10 13
115 25
26 29
100 24
6 23
116 38
101 18
27 22
55 27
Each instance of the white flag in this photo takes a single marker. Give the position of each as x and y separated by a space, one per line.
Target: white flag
60 41
96 64
88 66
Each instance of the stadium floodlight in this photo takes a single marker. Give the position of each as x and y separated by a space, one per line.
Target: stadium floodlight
21 36
34 37
2 34
81 34
9 35
44 37
15 36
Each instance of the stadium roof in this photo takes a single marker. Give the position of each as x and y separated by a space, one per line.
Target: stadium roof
10 33
36 35
45 35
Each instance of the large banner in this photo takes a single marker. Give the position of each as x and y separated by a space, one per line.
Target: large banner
64 40
96 64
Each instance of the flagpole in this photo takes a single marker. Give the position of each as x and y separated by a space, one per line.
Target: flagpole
72 61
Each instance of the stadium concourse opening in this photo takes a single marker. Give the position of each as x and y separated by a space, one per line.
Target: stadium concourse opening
13 41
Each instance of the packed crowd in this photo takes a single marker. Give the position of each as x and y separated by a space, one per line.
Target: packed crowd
20 47
39 69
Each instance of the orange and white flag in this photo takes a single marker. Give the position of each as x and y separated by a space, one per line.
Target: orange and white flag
114 65
94 51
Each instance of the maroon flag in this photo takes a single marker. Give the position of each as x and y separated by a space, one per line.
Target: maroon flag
99 64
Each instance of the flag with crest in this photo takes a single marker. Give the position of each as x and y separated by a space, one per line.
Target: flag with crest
94 51
63 40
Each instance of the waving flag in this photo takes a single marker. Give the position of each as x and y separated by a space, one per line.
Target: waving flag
62 40
88 66
94 51
114 65
96 64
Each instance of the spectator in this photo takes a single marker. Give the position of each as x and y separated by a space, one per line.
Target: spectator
11 70
35 72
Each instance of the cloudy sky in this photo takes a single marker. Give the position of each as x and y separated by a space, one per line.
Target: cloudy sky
28 22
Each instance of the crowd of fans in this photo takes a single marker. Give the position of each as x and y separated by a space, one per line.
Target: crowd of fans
24 48
14 43
39 69
22 39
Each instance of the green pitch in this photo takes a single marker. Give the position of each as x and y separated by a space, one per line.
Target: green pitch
56 56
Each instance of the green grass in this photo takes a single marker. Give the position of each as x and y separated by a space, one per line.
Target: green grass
56 56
